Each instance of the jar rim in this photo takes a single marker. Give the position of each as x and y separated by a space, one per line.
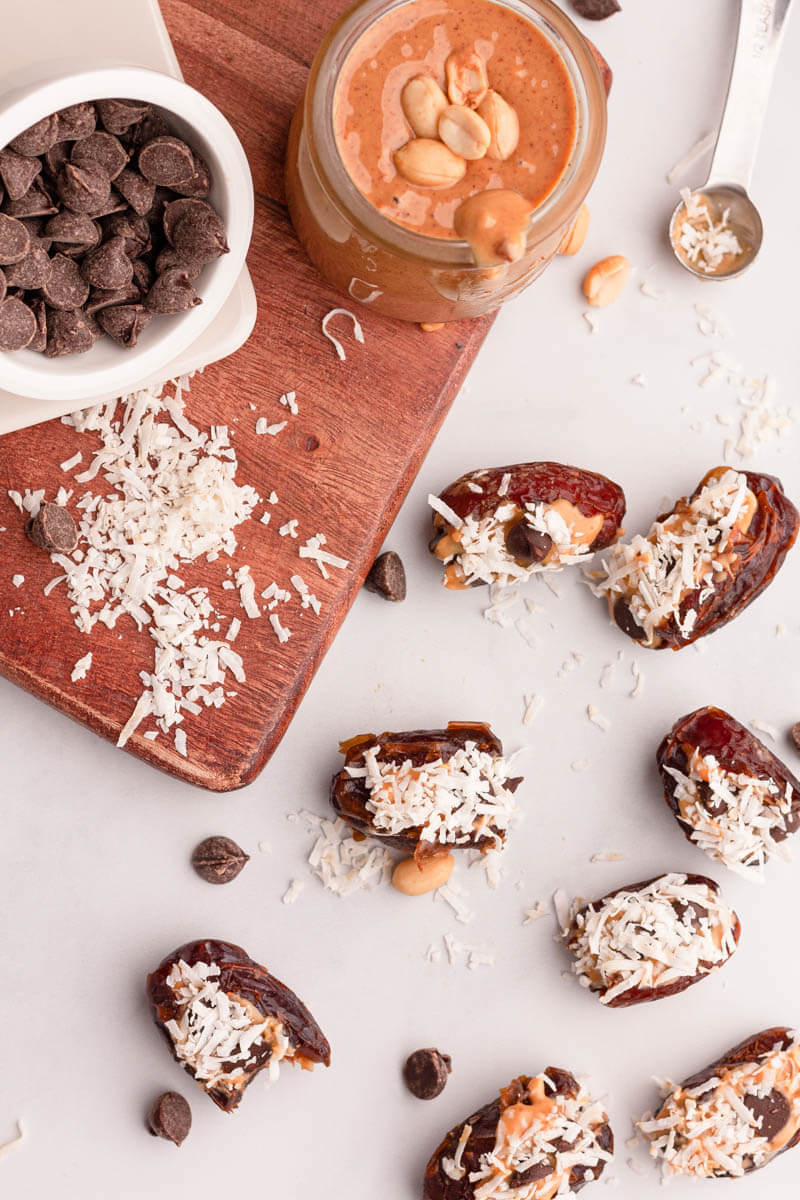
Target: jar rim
570 189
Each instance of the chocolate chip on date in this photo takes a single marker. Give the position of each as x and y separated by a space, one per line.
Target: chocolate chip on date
425 1073
387 577
170 1118
218 859
53 529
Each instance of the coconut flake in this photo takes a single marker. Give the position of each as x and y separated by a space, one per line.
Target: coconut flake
358 332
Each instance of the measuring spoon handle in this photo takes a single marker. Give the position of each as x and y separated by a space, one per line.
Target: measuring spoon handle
761 26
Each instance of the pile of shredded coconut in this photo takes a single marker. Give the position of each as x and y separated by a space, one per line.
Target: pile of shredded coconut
451 801
651 937
706 242
746 811
709 1130
215 1030
679 555
342 864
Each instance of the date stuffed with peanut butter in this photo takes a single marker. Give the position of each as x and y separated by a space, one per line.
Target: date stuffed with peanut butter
734 1116
730 794
226 1018
701 563
504 524
653 939
425 791
541 1137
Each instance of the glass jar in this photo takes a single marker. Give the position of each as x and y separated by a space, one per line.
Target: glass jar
400 273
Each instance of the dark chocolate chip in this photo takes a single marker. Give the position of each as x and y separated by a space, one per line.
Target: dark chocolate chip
595 10
115 204
167 161
17 172
17 324
15 241
124 323
200 183
133 229
218 859
172 292
37 202
53 529
795 731
425 1073
101 150
170 1118
170 258
714 805
138 192
66 288
39 310
108 267
200 235
626 620
84 189
100 298
117 116
32 272
70 332
527 544
772 1112
77 121
38 138
56 156
2 286
74 229
387 577
150 126
531 1174
142 275
176 210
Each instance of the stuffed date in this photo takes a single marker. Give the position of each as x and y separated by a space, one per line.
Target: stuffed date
226 1019
731 796
701 563
504 524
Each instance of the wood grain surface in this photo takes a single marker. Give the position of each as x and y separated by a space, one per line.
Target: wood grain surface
374 417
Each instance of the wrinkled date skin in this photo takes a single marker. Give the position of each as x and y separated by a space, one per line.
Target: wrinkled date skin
532 483
761 550
439 1185
753 1050
242 976
349 796
736 749
643 995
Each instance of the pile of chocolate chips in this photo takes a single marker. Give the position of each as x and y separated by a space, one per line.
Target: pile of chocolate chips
103 224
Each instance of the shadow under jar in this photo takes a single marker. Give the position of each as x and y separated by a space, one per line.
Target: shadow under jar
392 245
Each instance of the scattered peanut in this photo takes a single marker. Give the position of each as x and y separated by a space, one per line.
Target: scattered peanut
577 234
464 132
423 103
605 281
503 124
431 326
413 880
495 223
429 163
467 81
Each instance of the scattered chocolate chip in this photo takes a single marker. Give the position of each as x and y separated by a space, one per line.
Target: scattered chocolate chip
387 577
108 266
38 138
84 189
527 544
37 202
32 272
138 192
627 622
66 288
71 228
772 1112
17 324
117 116
172 292
200 235
101 150
595 10
795 731
199 185
218 859
76 122
167 161
15 242
312 443
170 1118
53 529
124 322
425 1073
100 298
17 172
70 332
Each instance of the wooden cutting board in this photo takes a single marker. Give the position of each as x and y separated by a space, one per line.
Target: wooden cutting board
373 417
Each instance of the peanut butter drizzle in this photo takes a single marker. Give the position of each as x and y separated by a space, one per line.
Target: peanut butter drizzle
495 223
516 1120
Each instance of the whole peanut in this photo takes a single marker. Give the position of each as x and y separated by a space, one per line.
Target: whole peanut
413 880
467 81
605 281
503 124
423 103
464 132
429 163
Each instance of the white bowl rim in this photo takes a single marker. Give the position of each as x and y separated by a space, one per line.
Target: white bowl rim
23 373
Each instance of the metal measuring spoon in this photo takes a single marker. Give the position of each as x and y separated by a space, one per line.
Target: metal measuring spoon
761 26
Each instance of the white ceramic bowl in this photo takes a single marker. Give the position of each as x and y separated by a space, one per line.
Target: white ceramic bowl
108 368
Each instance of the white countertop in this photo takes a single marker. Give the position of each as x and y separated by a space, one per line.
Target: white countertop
95 846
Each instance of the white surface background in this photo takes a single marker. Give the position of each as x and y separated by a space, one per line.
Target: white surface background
96 885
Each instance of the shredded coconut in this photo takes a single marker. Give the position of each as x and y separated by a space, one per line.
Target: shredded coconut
10 1145
358 332
342 864
706 241
81 668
